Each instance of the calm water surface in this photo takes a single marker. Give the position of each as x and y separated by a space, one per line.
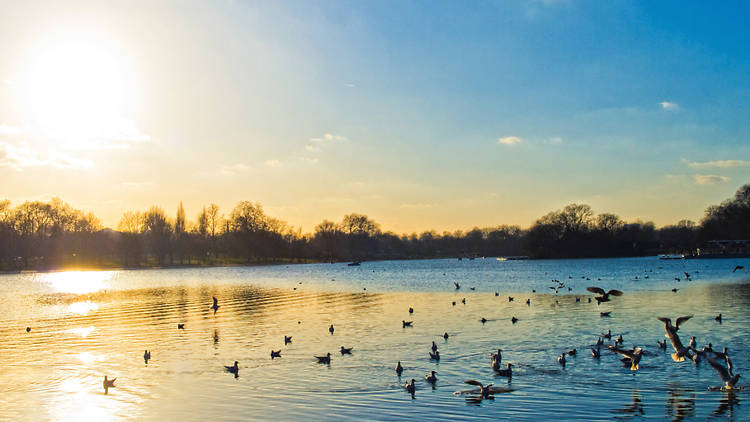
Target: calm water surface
88 324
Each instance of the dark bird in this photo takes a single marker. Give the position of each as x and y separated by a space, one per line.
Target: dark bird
596 353
671 333
434 347
572 352
28 329
528 302
458 286
215 306
346 351
662 344
431 378
146 356
599 342
330 329
472 288
607 336
739 267
453 303
717 318
578 299
108 383
287 340
730 381
692 343
399 368
445 335
514 320
435 356
406 323
497 357
275 354
561 359
677 279
507 372
510 299
634 355
483 320
675 290
604 314
180 326
463 301
410 388
497 293
619 340
603 296
235 369
484 390
411 310
324 359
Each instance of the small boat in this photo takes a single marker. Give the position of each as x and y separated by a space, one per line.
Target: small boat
354 264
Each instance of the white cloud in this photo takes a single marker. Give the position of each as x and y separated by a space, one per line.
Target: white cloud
273 163
21 156
312 148
329 138
510 140
709 179
717 163
669 106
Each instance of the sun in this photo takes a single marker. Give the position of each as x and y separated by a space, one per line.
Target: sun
74 88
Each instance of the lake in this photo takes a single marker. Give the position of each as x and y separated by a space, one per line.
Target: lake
85 325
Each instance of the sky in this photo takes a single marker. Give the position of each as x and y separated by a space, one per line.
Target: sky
420 114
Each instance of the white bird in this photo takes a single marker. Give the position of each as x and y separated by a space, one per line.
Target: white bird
634 355
730 381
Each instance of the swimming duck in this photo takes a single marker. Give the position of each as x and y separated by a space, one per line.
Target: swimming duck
717 318
445 335
561 359
406 323
146 356
692 342
572 352
483 320
463 301
599 342
596 353
435 356
180 326
287 340
507 372
528 302
410 387
514 320
431 378
411 310
497 356
399 368
324 359
330 329
604 314
662 344
28 329
346 351
108 383
607 336
434 347
275 354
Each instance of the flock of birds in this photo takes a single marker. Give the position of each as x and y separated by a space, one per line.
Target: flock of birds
719 361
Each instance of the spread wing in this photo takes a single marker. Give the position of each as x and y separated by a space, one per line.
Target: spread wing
473 382
598 290
681 320
614 292
630 354
664 320
722 371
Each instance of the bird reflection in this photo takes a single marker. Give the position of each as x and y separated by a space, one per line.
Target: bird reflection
680 404
726 404
635 408
216 337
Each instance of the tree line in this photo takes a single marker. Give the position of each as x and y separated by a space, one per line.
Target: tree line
46 235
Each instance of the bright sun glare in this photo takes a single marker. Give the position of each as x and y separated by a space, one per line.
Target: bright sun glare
74 89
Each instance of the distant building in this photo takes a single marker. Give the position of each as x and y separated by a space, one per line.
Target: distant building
724 249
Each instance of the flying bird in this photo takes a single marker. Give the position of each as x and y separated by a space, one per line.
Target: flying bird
634 355
739 267
730 381
671 333
603 296
215 306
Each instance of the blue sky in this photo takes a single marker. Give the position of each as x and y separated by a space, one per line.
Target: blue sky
393 109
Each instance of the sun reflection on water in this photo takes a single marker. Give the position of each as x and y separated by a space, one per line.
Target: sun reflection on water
83 308
78 282
81 331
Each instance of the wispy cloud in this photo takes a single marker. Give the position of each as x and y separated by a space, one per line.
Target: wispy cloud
22 156
273 163
329 138
233 168
312 148
709 179
716 163
669 106
510 140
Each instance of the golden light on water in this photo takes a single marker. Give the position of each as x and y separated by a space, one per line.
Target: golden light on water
83 308
79 282
81 331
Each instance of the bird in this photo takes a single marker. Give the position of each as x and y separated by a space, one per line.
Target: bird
572 352
458 286
346 351
692 343
431 378
215 306
445 335
674 290
472 288
275 354
410 387
507 372
561 359
324 359
435 356
235 369
28 329
604 296
483 320
484 390
528 302
608 335
406 323
514 320
434 347
578 299
510 299
454 303
595 353
497 357
463 301
671 333
399 368
662 344
411 310
108 382
599 342
180 326
634 355
739 267
330 329
619 340
730 381
287 340
717 318
604 314
146 356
